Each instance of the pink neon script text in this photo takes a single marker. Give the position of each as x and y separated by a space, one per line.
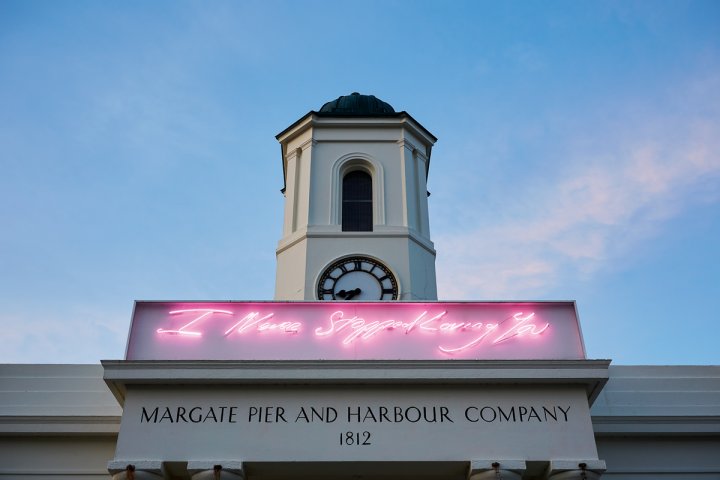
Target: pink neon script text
350 329
251 321
358 328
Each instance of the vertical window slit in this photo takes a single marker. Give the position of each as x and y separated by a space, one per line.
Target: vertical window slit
357 207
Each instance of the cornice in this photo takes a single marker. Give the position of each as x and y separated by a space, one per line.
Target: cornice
333 231
59 425
591 374
612 425
312 120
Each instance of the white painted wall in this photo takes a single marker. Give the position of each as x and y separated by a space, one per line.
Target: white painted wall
659 422
60 422
420 423
56 421
668 457
58 457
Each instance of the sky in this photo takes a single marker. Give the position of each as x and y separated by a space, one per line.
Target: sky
578 157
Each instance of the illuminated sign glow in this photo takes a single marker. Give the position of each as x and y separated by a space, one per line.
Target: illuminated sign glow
354 331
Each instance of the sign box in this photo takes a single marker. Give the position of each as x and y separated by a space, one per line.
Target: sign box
355 331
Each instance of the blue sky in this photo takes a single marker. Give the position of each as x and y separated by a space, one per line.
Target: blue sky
578 157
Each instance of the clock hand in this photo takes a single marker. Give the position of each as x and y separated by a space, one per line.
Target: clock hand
352 293
342 294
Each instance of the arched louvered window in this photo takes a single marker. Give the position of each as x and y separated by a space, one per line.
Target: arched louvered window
357 207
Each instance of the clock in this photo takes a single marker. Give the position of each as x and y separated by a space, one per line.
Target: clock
357 278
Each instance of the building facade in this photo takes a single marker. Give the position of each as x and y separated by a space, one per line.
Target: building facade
357 371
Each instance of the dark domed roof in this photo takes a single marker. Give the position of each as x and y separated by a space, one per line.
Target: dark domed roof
356 104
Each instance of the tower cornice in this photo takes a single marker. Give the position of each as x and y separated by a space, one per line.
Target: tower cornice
313 118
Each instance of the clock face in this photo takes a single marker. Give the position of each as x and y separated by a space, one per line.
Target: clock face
357 278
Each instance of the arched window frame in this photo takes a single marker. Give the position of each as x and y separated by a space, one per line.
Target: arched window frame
343 166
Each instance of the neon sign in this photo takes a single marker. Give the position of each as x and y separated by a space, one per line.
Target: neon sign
354 330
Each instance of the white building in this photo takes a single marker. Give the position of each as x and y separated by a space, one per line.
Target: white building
346 382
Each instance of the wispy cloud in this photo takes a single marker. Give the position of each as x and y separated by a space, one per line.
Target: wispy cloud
618 194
